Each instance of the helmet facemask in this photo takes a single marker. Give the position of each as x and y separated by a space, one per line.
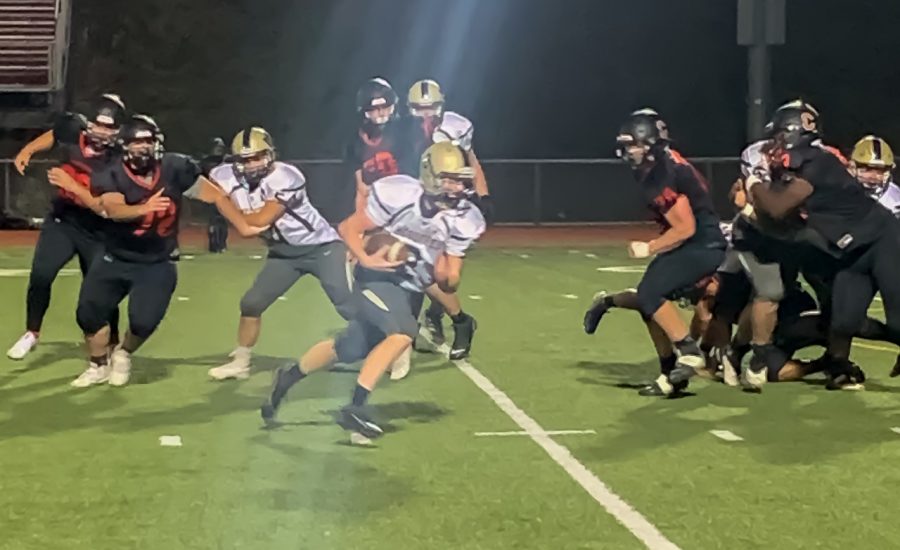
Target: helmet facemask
253 168
142 153
874 178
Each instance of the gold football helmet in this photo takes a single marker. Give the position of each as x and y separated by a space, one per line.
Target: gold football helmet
872 162
253 152
441 162
425 98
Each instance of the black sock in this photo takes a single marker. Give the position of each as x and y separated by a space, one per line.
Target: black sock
435 309
459 317
360 395
687 342
294 374
667 364
608 301
100 360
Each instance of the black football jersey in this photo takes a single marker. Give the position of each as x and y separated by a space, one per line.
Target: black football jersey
672 177
838 207
80 162
377 156
154 237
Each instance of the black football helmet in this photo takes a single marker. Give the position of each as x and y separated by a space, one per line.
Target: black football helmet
640 141
141 141
376 93
794 123
658 119
104 122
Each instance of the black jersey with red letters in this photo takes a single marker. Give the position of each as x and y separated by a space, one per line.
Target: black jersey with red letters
153 237
379 155
672 177
80 162
838 207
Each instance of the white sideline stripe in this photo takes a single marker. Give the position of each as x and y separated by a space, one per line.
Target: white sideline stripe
26 272
726 435
895 430
551 432
630 518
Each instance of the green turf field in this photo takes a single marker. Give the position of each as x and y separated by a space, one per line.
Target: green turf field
84 469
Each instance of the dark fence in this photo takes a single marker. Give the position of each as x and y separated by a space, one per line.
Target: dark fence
525 191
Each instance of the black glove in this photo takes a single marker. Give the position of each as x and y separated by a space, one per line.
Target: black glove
486 204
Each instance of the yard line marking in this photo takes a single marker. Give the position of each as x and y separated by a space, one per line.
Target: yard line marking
630 518
574 252
726 435
551 432
570 296
25 272
623 269
524 256
874 347
170 440
591 256
474 297
183 298
187 257
256 257
282 299
895 430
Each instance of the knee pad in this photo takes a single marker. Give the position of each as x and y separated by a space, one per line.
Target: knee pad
142 330
769 289
648 303
252 305
89 319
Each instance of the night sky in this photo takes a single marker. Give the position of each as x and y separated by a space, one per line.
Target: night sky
538 77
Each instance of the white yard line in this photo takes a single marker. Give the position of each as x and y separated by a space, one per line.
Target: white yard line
726 435
874 347
630 518
551 432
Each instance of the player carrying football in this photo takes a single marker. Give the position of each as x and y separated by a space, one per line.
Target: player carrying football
433 218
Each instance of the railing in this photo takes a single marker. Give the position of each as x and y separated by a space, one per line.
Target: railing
525 191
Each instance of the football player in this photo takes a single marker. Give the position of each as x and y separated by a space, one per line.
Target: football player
434 219
689 250
872 164
141 193
374 152
71 228
272 194
428 122
861 238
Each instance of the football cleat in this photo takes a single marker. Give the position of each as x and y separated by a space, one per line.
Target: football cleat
281 383
596 312
93 375
464 332
120 367
23 346
355 419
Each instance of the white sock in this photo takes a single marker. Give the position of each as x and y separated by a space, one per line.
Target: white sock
242 355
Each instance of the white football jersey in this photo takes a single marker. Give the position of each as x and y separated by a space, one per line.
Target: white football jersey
301 223
890 199
395 204
456 129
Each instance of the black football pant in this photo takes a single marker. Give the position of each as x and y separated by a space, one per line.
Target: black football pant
148 286
59 242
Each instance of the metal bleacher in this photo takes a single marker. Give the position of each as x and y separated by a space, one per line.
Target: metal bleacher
34 40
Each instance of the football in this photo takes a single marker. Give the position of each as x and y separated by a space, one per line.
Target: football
397 250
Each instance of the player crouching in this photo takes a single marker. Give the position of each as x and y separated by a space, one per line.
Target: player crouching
437 223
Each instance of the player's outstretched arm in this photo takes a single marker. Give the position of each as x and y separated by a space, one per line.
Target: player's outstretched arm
116 209
43 142
59 178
